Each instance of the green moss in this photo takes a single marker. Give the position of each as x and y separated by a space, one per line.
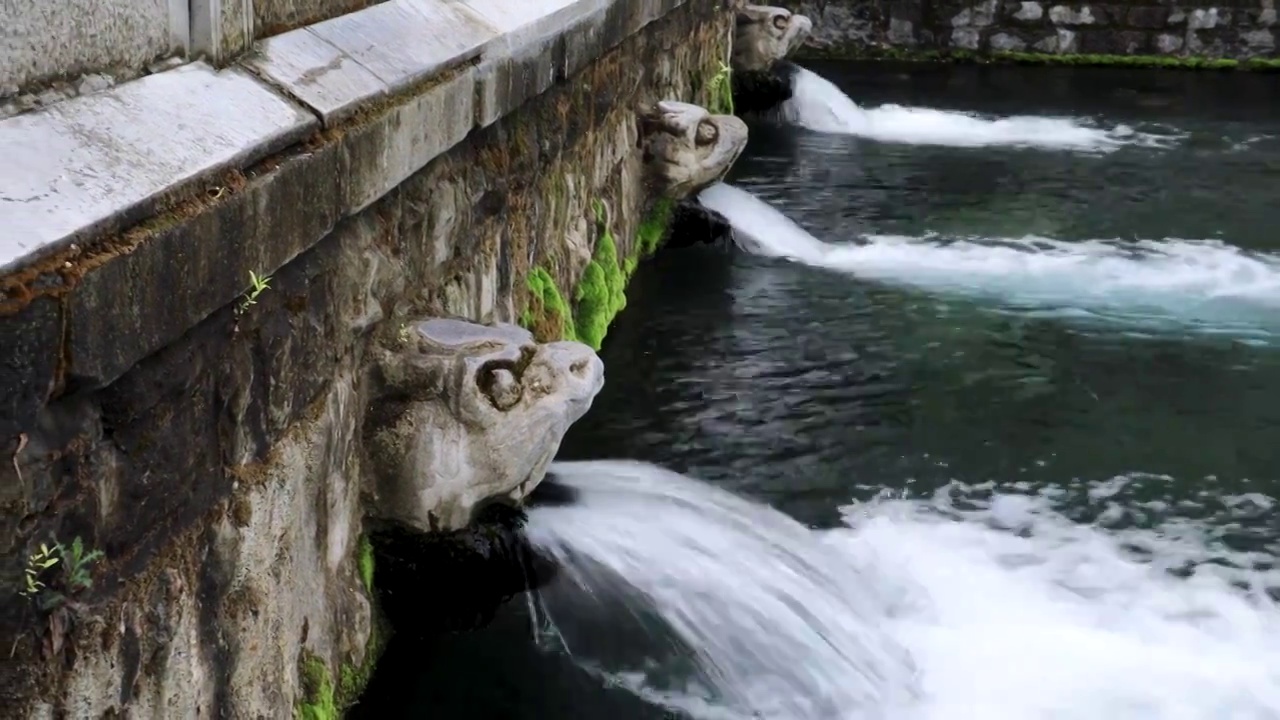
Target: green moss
653 228
365 562
317 701
353 679
320 700
601 294
548 315
851 52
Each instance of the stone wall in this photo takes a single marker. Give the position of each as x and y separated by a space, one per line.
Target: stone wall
43 40
54 49
272 17
206 437
854 28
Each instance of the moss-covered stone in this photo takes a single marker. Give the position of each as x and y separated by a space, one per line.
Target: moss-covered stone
317 701
321 699
862 52
365 563
601 293
547 315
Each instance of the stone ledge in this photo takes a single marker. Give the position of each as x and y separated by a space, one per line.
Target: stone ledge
82 317
88 164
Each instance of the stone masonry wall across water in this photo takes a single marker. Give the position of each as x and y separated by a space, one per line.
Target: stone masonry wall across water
1238 29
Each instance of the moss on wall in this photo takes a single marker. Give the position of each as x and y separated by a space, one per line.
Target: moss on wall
861 52
365 563
317 701
601 291
320 698
547 316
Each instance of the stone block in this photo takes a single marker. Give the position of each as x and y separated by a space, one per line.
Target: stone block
94 163
384 153
316 72
404 42
220 29
46 39
30 355
1005 42
275 17
126 309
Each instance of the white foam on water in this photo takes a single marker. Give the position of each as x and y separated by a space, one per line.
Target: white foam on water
917 610
1203 285
817 104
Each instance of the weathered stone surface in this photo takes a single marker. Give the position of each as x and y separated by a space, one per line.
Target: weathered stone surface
687 148
468 413
273 17
765 34
96 162
316 72
219 29
42 42
403 42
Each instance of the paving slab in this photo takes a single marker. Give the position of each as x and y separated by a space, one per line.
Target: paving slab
79 166
402 42
316 72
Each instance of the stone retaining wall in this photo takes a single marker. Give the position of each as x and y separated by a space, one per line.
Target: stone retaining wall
855 28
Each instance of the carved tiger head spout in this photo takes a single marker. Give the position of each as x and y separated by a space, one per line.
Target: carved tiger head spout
686 148
764 35
463 414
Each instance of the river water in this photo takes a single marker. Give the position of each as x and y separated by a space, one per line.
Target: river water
981 422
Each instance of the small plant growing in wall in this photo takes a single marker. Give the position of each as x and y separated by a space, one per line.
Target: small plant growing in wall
722 91
258 284
55 573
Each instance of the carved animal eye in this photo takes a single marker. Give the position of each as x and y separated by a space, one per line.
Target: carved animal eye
707 133
780 21
501 385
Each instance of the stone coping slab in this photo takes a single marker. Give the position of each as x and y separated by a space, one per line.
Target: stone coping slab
81 166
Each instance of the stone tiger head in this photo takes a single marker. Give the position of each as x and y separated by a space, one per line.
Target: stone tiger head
764 35
686 148
464 414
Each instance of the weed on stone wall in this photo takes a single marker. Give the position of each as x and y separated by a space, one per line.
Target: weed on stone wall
722 91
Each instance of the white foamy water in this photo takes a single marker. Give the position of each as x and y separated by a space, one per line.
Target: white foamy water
1198 285
915 610
817 104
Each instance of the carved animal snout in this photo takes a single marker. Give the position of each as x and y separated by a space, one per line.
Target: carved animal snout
686 148
764 35
471 413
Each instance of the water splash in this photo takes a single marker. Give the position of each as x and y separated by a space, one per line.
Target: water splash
1205 286
1008 610
817 104
779 623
